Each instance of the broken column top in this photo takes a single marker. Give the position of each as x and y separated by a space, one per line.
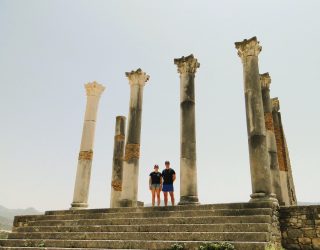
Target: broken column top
188 64
248 47
275 104
94 88
265 80
137 77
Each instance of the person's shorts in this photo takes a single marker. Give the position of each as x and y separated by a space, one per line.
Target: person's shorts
167 188
155 186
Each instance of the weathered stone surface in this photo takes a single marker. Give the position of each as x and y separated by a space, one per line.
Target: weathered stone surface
137 80
298 226
286 177
245 225
117 162
81 189
187 67
316 243
304 241
265 82
249 50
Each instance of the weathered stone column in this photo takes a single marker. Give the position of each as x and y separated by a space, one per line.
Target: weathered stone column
249 50
265 81
187 67
286 177
137 80
117 164
81 189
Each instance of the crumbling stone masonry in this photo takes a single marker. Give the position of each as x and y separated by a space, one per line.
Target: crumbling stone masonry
286 178
300 227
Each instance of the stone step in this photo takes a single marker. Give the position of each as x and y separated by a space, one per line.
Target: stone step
246 205
154 236
150 214
165 220
233 227
116 244
51 248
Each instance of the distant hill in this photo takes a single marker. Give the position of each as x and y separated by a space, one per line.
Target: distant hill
307 203
7 215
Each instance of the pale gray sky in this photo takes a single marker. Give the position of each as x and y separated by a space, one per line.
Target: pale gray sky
49 49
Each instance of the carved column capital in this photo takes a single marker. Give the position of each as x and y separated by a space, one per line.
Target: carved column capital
137 77
265 80
248 47
275 104
94 88
188 64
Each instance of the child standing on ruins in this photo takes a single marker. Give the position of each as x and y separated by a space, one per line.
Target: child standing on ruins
155 184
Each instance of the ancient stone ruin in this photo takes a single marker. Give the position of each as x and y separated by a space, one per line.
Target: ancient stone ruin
271 218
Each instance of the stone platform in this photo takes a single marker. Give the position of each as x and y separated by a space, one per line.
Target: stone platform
245 225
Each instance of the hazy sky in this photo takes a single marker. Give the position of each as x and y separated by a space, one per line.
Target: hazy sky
50 49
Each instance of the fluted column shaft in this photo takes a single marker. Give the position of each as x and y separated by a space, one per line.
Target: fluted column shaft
117 163
81 189
249 50
187 67
129 195
265 82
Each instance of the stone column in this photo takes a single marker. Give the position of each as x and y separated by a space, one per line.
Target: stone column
286 178
137 80
265 81
117 164
187 67
81 189
248 50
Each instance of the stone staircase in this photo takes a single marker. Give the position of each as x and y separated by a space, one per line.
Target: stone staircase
245 225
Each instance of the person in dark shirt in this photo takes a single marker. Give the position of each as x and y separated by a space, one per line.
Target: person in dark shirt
155 184
169 176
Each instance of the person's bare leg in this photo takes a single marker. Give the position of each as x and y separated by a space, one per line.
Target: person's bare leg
172 198
165 194
153 191
158 196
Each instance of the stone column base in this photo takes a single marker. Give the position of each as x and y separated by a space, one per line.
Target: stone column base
262 197
130 203
189 200
78 205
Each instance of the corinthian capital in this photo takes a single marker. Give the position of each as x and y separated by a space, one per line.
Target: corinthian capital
265 80
94 88
275 104
137 77
248 47
188 64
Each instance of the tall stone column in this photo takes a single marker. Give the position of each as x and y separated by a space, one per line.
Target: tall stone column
187 67
137 80
248 51
81 189
286 177
117 164
265 81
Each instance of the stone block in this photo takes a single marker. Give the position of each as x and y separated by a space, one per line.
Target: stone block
311 233
292 246
316 243
295 233
304 241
